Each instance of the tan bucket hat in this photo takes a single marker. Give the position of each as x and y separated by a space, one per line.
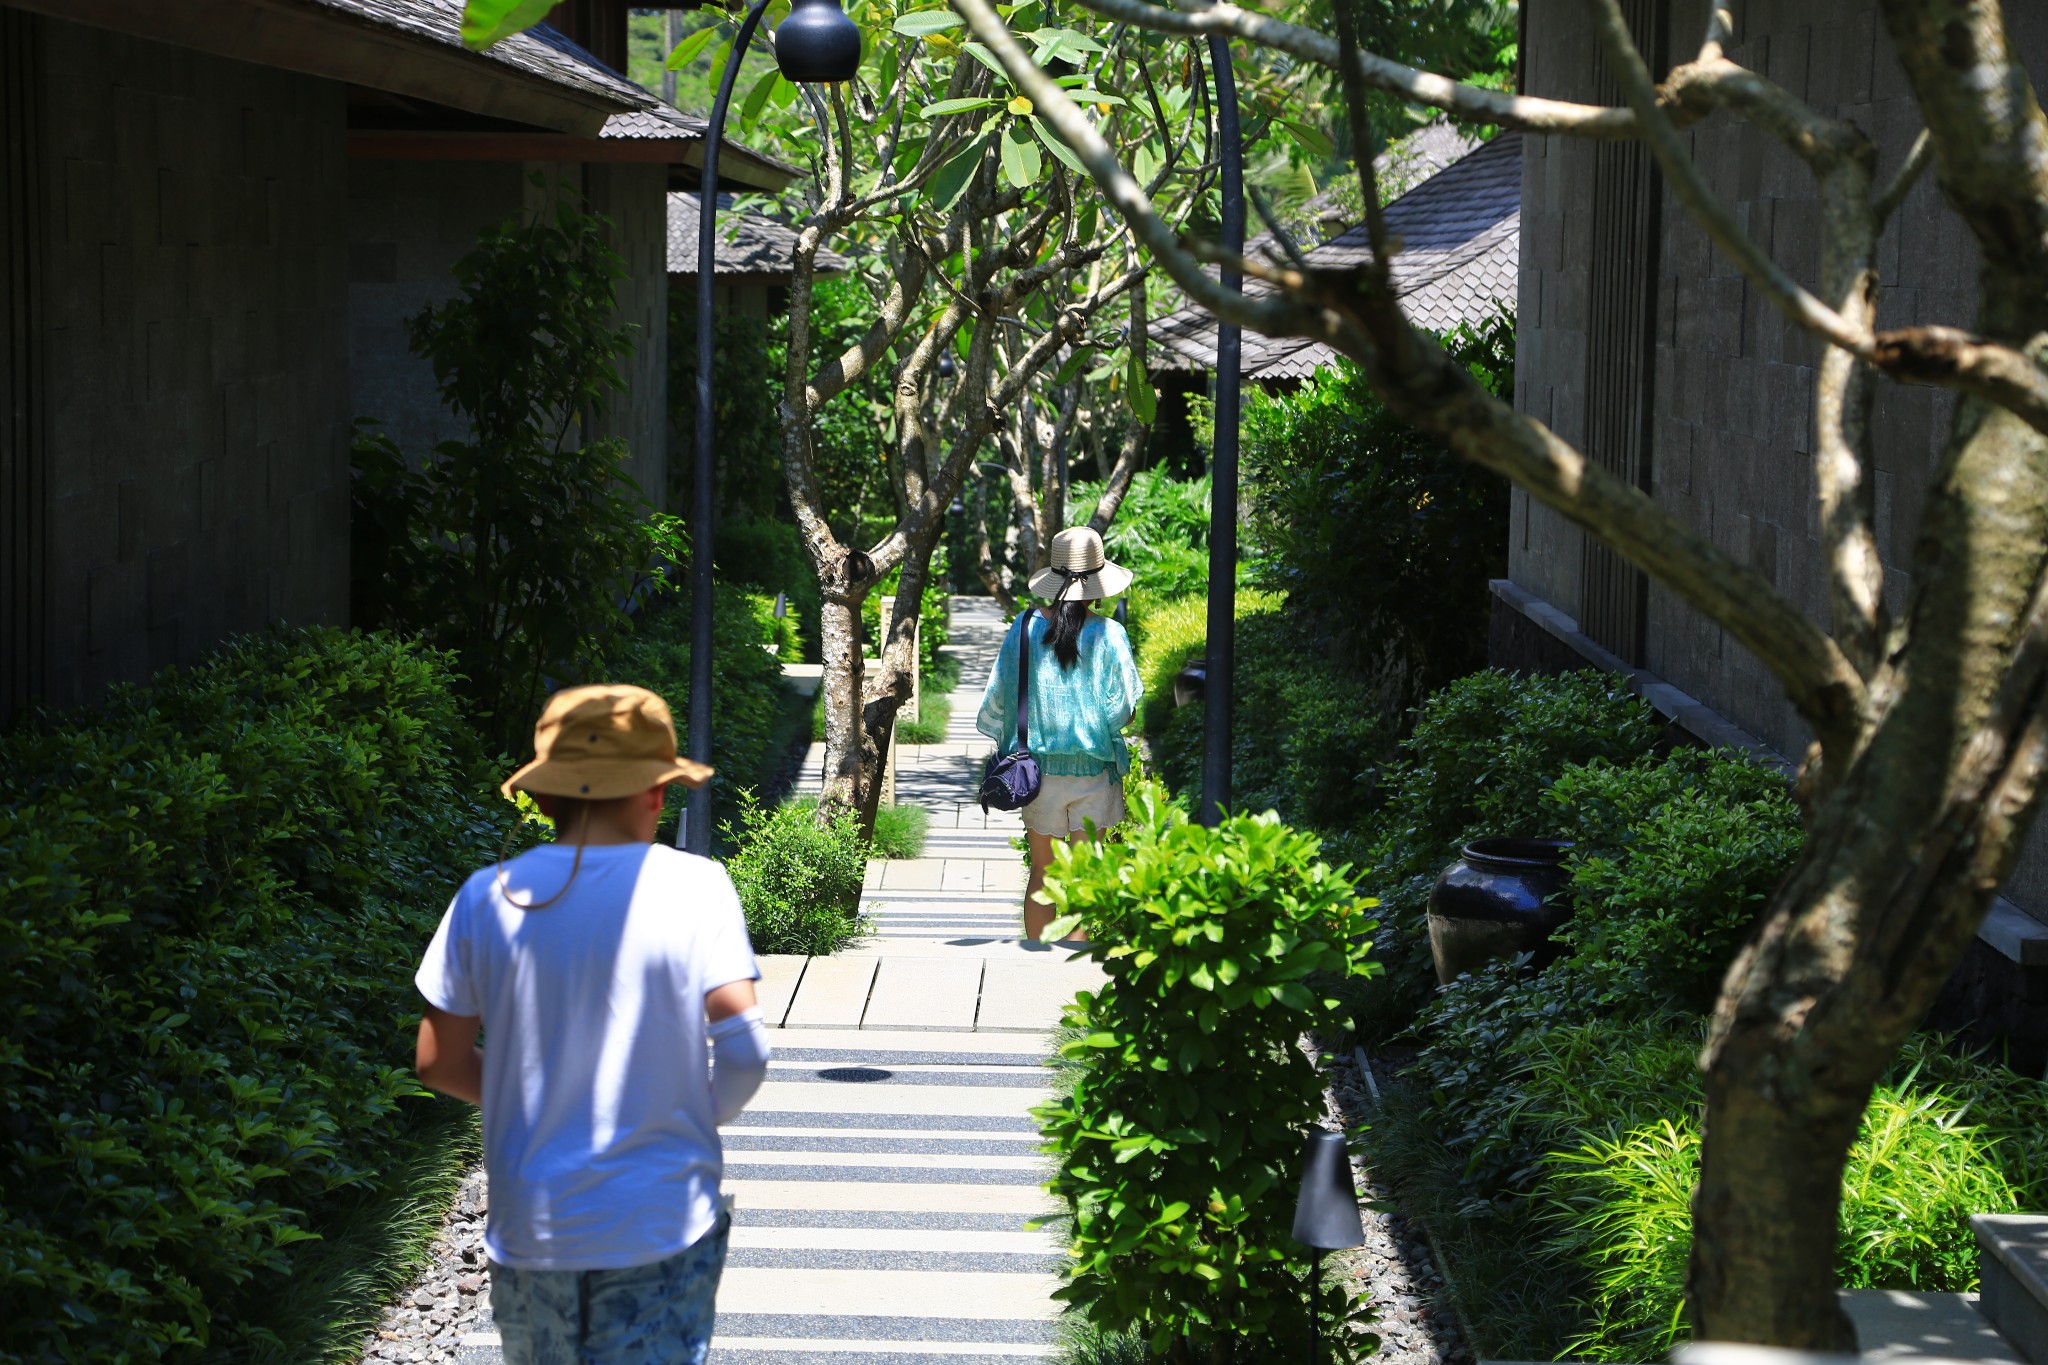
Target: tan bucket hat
603 741
1079 572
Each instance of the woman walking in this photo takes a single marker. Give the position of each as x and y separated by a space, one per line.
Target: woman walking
1081 690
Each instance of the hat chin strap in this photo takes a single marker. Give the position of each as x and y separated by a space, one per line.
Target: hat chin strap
1068 578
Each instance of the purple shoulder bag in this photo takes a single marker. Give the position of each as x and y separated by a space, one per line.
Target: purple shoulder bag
1010 781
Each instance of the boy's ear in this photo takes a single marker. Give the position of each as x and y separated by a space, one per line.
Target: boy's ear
655 796
548 805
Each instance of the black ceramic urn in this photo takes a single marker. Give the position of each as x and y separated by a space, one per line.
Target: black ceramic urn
1502 897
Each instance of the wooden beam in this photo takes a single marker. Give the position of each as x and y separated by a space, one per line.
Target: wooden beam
317 40
738 167
377 145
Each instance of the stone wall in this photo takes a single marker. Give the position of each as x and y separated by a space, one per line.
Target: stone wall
409 222
1732 434
193 333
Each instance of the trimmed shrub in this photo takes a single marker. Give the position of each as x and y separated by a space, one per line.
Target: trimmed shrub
1305 742
215 890
1675 857
768 556
1382 540
900 831
1165 638
1179 1142
798 880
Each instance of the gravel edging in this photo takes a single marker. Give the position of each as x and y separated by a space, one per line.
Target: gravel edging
449 1298
1417 1318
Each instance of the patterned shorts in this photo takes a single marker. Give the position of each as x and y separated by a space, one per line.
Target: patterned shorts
656 1314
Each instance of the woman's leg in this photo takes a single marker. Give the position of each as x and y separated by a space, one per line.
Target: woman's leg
1037 910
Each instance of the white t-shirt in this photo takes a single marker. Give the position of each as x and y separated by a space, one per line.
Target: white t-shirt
599 1136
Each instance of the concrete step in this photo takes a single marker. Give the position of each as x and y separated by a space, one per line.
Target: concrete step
2012 1268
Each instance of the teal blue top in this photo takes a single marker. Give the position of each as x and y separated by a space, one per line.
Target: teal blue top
1077 714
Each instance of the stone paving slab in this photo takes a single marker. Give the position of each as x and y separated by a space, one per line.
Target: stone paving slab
780 973
834 993
1017 997
923 993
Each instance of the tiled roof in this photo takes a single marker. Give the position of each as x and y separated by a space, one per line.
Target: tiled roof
664 122
748 243
540 51
1458 235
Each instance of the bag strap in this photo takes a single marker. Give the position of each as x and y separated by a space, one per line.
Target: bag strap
1024 680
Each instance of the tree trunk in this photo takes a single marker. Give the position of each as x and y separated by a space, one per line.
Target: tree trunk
840 645
889 688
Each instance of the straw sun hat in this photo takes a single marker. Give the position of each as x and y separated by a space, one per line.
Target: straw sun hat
604 741
1079 572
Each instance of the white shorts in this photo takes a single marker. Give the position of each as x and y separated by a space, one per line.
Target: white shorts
1068 805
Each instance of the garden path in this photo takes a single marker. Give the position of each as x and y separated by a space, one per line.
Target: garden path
883 1176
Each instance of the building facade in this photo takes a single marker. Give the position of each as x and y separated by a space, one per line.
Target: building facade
1644 347
214 217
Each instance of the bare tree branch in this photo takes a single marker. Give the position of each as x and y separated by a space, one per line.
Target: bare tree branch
1917 160
1117 484
1522 112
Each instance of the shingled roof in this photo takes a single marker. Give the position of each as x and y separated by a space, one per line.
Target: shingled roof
749 244
1459 252
539 51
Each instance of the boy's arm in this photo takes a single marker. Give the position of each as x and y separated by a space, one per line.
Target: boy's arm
447 1057
739 1047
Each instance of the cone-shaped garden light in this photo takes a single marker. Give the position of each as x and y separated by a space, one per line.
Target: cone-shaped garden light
1326 1216
817 43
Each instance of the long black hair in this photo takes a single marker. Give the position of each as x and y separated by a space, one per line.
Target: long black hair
1064 622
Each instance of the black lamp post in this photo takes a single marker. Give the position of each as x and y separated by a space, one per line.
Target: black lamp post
816 43
1221 654
1325 1217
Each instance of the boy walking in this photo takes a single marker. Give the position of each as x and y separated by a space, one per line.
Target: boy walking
604 968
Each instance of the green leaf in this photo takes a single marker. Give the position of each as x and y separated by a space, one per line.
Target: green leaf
1313 140
927 21
1138 390
689 48
951 180
1022 164
718 61
960 106
485 22
757 98
1058 148
986 58
1145 163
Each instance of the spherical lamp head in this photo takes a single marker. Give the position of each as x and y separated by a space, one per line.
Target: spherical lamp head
817 43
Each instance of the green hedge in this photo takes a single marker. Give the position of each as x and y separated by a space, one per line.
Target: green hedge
1548 1123
1306 741
215 890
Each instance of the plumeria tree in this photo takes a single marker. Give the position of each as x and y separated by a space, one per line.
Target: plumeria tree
1931 727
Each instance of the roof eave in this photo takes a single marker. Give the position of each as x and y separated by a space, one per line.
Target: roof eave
314 40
